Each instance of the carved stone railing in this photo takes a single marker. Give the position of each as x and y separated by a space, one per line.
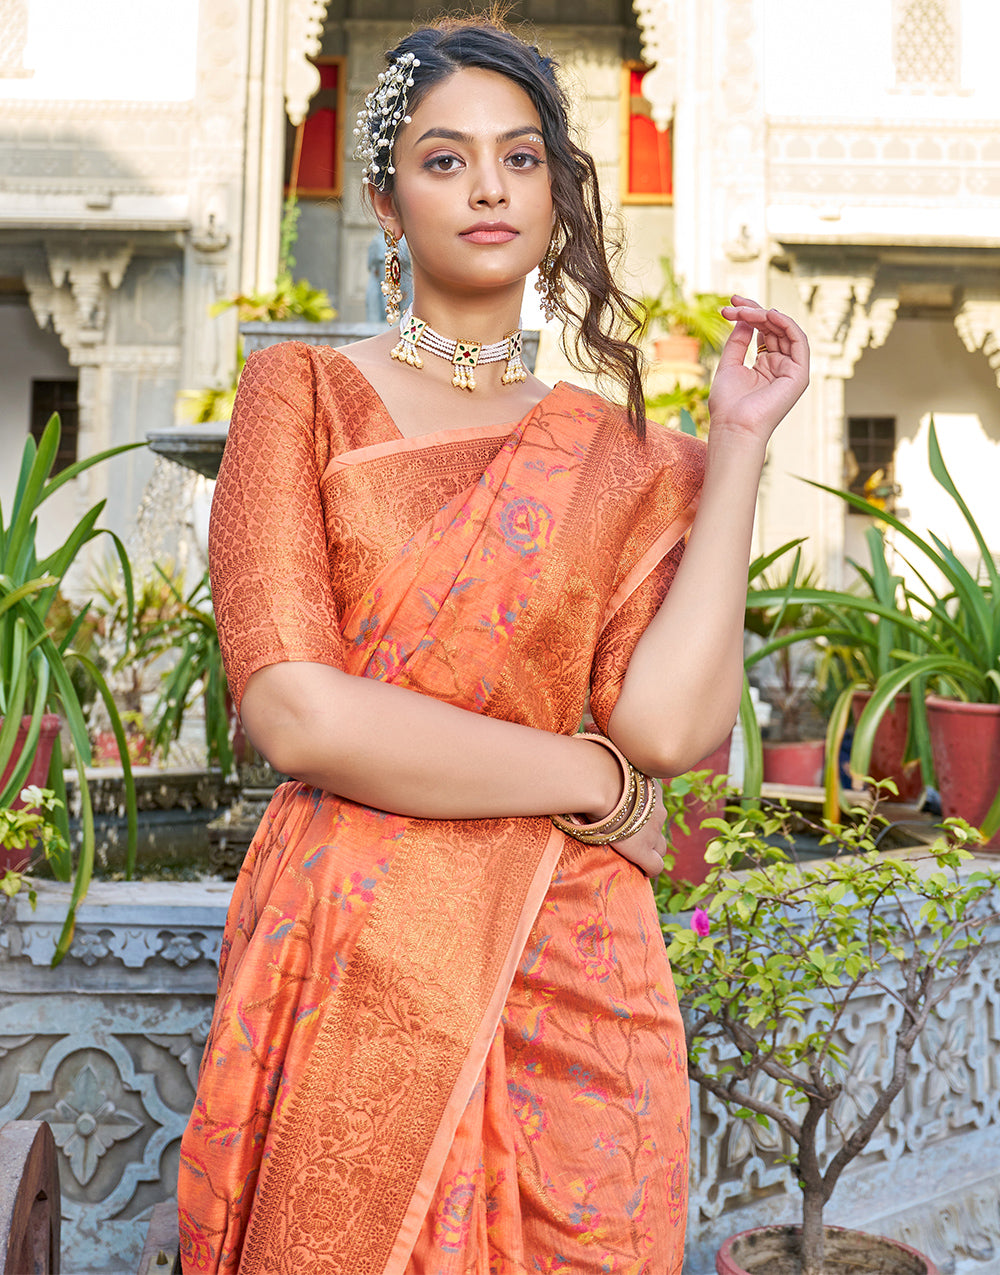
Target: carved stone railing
105 1048
930 1175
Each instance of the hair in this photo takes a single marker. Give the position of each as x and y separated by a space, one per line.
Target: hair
596 306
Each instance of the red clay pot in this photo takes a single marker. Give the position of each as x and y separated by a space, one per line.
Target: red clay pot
798 762
677 347
688 848
105 748
890 744
37 775
965 744
773 1250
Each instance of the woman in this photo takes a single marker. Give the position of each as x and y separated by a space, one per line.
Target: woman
446 1039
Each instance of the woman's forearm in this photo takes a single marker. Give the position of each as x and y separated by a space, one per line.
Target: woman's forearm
397 750
681 692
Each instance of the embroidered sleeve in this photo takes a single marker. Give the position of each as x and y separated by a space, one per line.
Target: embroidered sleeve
267 542
622 632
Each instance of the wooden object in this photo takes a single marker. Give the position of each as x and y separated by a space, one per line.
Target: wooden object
160 1255
29 1199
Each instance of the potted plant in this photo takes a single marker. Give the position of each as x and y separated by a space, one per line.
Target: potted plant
128 651
869 648
191 631
771 960
25 829
688 323
956 656
35 669
788 630
688 801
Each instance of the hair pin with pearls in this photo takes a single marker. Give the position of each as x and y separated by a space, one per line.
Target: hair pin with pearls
379 119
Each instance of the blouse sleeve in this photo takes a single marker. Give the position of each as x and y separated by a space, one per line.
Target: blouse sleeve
622 632
267 544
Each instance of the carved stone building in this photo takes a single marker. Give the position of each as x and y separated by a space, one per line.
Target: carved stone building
842 162
855 182
142 170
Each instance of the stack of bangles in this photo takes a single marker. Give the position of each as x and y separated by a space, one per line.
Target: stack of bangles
632 811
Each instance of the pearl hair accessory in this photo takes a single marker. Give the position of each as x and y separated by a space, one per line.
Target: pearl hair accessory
379 119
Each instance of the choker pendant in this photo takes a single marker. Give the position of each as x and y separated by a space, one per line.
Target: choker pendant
411 329
464 361
515 370
464 356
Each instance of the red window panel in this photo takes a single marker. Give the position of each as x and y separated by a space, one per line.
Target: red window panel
647 165
320 157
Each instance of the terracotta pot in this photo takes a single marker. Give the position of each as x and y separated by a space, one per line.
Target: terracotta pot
798 762
773 1250
677 348
965 744
14 859
890 744
105 748
688 848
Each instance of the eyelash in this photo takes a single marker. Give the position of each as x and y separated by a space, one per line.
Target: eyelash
431 164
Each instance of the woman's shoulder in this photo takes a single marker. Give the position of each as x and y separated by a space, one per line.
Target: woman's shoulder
661 446
294 358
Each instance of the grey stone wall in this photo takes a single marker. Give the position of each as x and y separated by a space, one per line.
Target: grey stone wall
106 1047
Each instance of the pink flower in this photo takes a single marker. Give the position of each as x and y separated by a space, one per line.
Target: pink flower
700 922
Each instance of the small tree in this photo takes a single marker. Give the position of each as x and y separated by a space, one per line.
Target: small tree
774 940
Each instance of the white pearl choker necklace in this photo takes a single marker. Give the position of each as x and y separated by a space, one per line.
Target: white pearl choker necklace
463 355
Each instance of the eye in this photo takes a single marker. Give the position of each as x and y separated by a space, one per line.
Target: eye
524 160
442 163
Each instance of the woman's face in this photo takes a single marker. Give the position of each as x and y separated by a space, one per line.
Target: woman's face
471 189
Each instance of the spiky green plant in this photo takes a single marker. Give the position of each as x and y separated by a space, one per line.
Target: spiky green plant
35 669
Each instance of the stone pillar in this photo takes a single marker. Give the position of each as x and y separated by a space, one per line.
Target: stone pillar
847 313
719 135
220 198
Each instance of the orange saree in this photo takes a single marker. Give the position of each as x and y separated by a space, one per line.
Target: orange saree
439 1047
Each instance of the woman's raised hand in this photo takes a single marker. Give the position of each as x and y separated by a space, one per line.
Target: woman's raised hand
646 847
752 400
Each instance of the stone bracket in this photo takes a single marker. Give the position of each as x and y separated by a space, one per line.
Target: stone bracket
658 27
849 313
73 292
977 323
303 34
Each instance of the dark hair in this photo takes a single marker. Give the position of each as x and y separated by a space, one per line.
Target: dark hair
599 310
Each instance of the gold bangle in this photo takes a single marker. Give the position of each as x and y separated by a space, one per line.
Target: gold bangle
632 812
641 813
622 811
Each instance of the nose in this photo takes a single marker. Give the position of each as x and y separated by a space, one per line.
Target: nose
489 187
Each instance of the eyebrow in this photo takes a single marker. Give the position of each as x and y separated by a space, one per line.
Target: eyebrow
454 135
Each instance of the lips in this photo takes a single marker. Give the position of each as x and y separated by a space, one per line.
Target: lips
487 232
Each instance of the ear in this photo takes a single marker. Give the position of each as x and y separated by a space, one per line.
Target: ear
385 210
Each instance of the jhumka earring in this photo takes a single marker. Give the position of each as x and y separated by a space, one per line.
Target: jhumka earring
548 286
391 290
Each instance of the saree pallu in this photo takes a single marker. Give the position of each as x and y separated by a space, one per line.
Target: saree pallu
439 1047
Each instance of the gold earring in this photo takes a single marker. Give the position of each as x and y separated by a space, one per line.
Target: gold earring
548 285
391 289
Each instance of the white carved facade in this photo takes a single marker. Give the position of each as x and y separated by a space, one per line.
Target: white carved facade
842 161
140 182
141 175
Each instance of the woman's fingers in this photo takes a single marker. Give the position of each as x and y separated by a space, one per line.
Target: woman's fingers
647 847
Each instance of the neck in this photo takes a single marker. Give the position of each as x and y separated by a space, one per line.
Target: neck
479 318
